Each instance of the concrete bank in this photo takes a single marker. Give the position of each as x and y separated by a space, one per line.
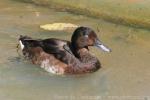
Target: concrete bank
134 13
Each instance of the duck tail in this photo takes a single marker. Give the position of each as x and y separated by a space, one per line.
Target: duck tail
26 41
21 37
22 41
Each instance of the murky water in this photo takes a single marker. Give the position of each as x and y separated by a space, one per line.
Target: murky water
125 71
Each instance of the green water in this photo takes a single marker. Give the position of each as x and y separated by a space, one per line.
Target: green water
135 13
125 71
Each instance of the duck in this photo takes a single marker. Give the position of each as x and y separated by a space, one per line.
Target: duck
62 56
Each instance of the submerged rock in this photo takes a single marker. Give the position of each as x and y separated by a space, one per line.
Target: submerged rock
59 26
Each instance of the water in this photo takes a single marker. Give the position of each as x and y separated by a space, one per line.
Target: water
129 12
125 71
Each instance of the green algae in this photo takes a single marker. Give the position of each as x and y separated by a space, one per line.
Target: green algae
134 13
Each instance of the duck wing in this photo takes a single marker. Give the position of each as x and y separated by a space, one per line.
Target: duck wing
56 47
50 45
59 48
67 48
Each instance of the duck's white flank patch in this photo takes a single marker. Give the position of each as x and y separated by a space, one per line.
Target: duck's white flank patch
50 68
21 44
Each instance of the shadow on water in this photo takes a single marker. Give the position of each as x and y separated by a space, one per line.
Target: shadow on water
125 71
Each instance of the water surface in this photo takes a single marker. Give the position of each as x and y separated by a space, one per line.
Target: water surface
125 71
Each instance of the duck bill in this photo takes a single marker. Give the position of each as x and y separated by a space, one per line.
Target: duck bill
101 46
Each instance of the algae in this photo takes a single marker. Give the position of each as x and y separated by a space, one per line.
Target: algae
133 13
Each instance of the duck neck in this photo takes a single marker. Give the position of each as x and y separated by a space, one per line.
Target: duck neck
82 53
78 50
85 56
89 61
86 62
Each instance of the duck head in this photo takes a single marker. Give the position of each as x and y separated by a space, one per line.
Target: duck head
84 37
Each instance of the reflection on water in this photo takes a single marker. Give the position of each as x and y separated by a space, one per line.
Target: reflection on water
125 71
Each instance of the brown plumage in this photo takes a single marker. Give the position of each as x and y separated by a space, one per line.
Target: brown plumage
64 57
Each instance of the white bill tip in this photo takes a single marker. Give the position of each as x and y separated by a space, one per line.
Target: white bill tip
105 48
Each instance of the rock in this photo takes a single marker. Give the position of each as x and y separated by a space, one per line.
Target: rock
59 26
